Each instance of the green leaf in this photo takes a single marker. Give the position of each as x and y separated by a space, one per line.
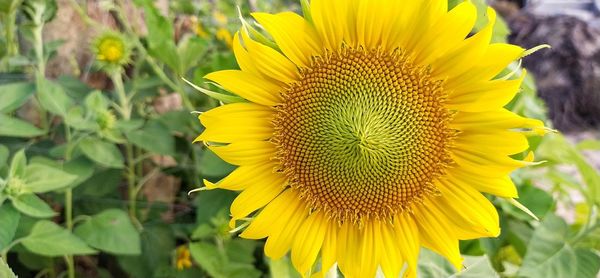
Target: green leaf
53 97
476 267
41 178
17 165
5 271
588 263
213 166
81 167
4 153
153 137
9 217
104 153
547 253
14 96
96 101
191 49
48 239
213 203
32 205
538 201
111 231
218 265
13 127
77 119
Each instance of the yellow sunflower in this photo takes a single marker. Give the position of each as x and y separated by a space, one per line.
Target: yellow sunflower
368 131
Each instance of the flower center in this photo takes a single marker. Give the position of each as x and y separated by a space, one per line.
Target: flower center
363 134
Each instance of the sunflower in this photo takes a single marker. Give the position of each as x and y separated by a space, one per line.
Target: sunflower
367 130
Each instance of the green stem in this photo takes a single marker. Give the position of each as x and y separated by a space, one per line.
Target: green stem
70 266
125 109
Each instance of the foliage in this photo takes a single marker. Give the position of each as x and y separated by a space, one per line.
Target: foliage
84 170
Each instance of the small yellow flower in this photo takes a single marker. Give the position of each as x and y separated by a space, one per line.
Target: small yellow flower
111 49
225 36
220 18
198 28
183 258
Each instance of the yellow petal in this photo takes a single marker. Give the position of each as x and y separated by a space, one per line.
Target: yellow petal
308 241
257 195
408 240
269 62
496 119
500 186
502 142
244 176
391 258
330 18
465 207
448 32
474 162
328 251
293 34
248 86
281 239
237 122
246 152
436 236
274 216
485 96
243 59
369 255
467 54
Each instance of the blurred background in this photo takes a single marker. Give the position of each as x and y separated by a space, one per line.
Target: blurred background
97 124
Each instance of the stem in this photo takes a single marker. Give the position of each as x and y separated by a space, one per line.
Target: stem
124 105
70 266
125 109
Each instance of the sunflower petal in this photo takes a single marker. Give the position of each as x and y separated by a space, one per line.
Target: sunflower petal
274 216
257 195
408 241
269 62
237 122
248 86
432 235
244 176
293 34
330 18
308 242
245 152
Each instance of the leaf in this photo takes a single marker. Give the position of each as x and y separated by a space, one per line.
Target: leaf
48 239
213 166
40 178
547 253
158 243
14 95
190 50
4 153
111 231
9 217
153 137
13 127
588 263
104 153
32 205
17 165
476 267
53 97
96 101
81 167
5 271
537 201
77 119
213 203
